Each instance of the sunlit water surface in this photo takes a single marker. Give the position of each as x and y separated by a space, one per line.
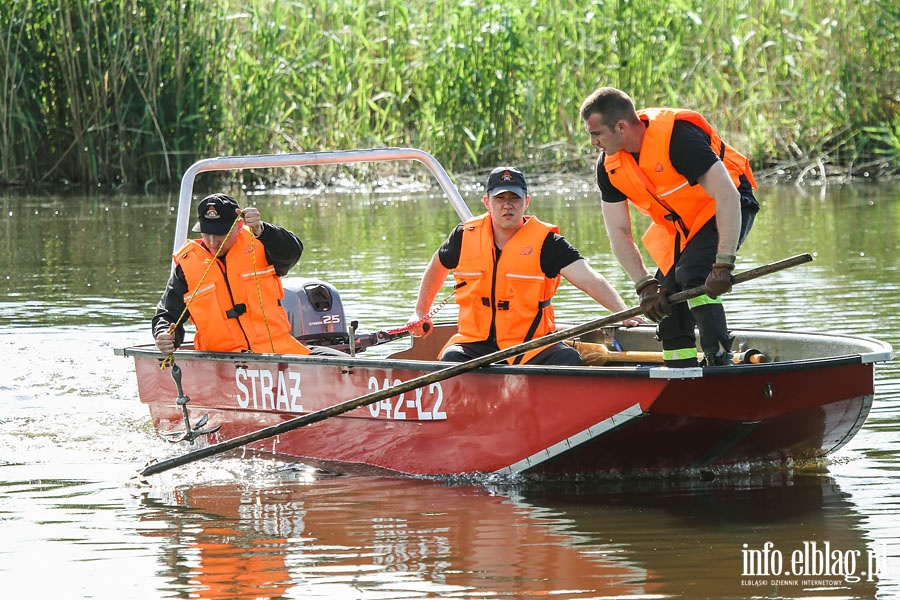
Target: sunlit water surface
83 274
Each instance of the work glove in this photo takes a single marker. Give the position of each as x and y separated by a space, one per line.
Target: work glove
654 303
718 281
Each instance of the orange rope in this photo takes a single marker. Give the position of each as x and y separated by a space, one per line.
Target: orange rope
262 306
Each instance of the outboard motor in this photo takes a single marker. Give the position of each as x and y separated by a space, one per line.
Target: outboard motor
315 311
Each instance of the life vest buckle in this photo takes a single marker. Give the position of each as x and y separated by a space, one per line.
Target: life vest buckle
236 311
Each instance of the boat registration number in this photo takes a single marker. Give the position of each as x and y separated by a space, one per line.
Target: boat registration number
422 404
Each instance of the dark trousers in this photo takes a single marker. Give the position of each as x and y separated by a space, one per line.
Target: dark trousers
556 354
692 266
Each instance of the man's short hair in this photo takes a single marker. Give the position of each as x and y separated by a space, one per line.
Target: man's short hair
613 105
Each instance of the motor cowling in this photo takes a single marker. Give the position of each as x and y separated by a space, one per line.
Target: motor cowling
315 311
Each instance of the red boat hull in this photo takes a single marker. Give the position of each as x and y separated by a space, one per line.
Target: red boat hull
521 419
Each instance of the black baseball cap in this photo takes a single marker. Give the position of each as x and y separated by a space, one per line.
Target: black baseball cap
216 214
506 179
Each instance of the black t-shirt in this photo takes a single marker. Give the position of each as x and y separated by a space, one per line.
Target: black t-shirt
556 252
690 153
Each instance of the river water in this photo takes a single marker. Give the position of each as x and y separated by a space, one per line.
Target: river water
82 275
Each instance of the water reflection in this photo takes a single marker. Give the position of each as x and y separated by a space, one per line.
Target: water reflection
694 535
353 536
347 536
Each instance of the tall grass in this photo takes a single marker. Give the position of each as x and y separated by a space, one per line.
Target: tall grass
109 91
118 92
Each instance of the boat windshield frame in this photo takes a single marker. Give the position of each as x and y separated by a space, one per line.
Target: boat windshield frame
300 159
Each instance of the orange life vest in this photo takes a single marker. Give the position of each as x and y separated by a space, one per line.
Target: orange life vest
513 293
678 209
226 310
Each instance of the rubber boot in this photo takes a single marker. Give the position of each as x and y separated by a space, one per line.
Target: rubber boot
715 339
723 355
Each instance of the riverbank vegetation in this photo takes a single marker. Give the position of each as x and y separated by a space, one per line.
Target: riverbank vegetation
131 92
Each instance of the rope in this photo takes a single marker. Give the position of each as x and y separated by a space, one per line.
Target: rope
434 310
262 306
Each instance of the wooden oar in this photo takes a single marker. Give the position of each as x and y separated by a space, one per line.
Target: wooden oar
598 355
452 371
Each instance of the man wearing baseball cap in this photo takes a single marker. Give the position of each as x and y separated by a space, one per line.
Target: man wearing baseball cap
507 268
223 300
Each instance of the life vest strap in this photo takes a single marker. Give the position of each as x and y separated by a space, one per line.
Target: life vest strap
534 325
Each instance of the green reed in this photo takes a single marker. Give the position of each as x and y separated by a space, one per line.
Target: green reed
132 91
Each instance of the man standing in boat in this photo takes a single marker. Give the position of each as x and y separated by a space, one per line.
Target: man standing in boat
229 284
655 158
507 268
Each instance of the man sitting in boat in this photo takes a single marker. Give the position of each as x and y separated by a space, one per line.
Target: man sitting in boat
229 284
507 268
